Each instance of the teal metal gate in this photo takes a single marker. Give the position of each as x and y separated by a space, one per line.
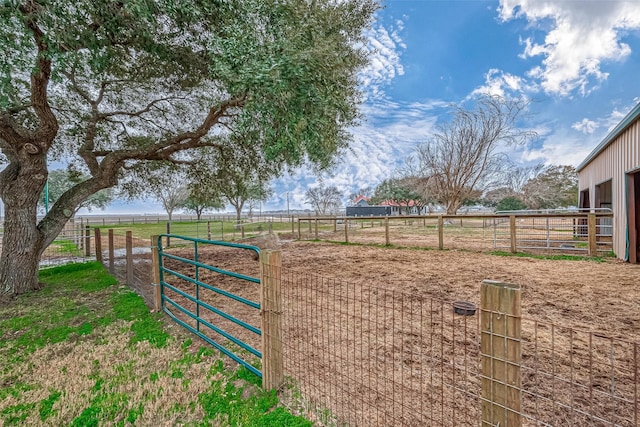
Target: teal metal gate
203 326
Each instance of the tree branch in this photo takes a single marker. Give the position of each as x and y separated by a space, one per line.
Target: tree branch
48 126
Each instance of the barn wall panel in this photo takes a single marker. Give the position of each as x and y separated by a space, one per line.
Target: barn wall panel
620 156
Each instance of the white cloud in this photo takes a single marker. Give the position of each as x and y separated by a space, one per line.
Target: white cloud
380 145
559 148
583 35
585 126
498 82
613 119
384 48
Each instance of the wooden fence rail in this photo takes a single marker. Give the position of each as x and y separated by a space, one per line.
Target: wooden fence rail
589 227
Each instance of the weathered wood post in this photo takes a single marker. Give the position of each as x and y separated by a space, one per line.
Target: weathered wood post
386 231
208 230
299 232
168 232
98 245
316 228
440 232
592 233
335 224
500 353
346 230
512 233
129 257
155 259
293 230
87 240
271 319
242 231
111 251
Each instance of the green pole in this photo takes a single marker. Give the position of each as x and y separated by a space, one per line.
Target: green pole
46 197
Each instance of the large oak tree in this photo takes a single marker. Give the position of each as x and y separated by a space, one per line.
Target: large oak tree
107 85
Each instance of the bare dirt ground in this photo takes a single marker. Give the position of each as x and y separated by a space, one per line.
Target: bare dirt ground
598 296
335 285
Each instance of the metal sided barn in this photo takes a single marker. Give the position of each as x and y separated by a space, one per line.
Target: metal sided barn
610 178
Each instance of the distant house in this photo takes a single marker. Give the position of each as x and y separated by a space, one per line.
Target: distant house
610 178
361 207
361 201
403 208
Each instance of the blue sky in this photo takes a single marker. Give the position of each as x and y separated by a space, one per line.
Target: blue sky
578 61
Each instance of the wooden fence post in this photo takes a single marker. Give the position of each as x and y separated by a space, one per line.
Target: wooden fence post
299 232
293 230
346 231
168 232
87 240
512 233
316 228
129 258
335 224
386 231
271 319
592 233
500 353
155 259
440 232
208 230
242 231
98 245
111 251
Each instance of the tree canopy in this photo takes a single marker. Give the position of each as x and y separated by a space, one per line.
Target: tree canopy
400 191
324 200
107 85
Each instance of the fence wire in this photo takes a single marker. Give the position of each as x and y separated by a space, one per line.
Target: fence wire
362 355
369 356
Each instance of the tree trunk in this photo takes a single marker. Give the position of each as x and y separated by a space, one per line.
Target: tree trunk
453 207
238 213
22 242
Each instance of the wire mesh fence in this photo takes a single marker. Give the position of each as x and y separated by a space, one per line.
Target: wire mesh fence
74 244
362 354
368 356
129 260
365 355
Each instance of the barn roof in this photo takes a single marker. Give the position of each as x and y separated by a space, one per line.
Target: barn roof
628 120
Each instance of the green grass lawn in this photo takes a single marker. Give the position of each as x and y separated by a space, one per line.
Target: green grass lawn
219 230
85 351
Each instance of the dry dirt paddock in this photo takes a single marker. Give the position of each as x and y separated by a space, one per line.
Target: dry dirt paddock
387 342
602 297
598 296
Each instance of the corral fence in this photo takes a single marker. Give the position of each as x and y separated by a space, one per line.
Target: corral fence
575 232
368 356
365 355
